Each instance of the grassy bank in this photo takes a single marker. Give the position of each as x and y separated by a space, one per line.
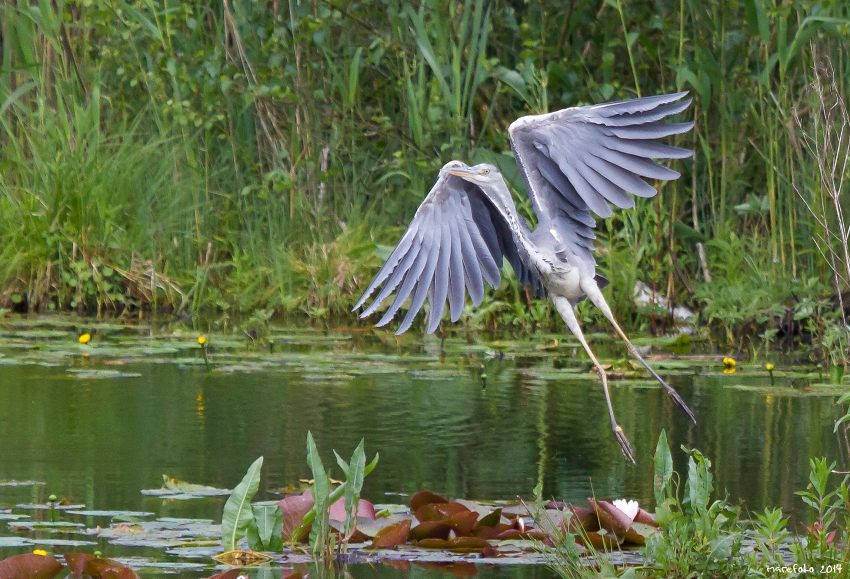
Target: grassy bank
235 157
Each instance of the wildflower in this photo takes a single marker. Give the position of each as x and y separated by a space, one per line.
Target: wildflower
85 338
730 362
202 340
769 367
630 508
41 552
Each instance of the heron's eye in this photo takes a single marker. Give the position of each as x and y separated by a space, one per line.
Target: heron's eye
486 171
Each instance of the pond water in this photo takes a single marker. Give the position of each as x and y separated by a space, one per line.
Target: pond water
99 423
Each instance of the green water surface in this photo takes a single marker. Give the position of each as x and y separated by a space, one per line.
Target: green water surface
98 429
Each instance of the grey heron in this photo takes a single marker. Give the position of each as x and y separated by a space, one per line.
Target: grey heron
574 162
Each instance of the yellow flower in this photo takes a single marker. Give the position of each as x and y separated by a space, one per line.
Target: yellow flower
202 340
729 370
730 362
769 367
41 552
85 338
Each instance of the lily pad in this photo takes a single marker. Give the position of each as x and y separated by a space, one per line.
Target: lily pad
13 542
21 483
48 506
63 543
52 525
112 514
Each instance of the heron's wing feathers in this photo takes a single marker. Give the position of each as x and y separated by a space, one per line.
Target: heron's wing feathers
582 159
456 241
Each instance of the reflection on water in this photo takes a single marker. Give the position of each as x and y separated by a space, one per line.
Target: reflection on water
100 441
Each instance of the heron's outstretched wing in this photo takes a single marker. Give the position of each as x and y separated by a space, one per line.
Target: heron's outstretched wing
456 239
577 160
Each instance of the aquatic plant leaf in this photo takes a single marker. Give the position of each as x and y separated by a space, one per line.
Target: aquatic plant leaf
371 527
97 568
638 533
430 530
173 484
50 525
237 512
645 518
112 514
490 520
423 498
321 494
47 506
463 522
392 536
13 542
663 462
610 517
597 541
266 528
30 566
439 511
239 557
365 510
63 543
293 510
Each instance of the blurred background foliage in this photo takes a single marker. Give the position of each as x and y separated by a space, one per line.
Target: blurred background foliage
238 157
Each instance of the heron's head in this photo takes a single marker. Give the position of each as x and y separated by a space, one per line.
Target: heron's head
483 174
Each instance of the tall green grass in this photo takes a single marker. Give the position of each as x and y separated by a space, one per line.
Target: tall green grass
234 155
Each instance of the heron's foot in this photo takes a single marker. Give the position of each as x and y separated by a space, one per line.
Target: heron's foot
624 443
680 403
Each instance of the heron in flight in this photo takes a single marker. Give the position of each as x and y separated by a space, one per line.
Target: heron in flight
574 162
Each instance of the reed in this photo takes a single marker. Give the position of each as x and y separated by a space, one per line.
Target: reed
237 156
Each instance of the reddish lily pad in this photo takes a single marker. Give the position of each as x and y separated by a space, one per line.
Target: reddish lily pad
463 522
610 517
96 568
293 510
645 518
30 566
392 536
438 511
597 541
430 530
365 510
423 498
371 528
491 520
458 544
638 533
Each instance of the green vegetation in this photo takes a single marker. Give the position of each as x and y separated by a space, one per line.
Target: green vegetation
703 538
239 157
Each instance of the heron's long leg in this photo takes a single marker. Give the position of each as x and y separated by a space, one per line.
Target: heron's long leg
593 293
565 308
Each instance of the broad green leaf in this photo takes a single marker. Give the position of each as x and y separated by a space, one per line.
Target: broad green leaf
663 467
237 513
265 530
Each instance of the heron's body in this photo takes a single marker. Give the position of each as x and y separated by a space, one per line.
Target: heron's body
574 162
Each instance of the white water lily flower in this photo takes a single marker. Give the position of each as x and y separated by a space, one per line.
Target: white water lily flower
630 508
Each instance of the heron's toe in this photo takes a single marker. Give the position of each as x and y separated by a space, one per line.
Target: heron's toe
624 443
681 404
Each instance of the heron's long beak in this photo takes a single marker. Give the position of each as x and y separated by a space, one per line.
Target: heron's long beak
458 172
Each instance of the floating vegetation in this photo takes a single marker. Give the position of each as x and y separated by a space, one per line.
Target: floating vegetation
113 514
181 490
20 483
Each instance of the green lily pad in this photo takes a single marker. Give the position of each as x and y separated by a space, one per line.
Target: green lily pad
14 542
112 514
